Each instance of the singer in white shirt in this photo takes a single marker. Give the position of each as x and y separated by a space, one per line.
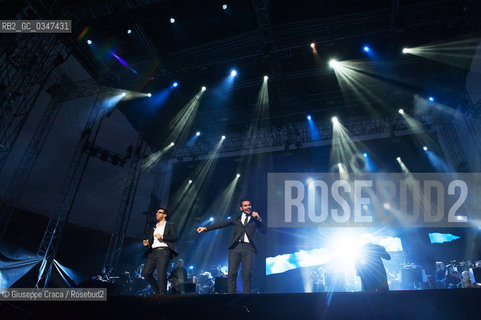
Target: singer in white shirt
160 250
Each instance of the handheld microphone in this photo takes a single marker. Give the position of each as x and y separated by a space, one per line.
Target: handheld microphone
257 217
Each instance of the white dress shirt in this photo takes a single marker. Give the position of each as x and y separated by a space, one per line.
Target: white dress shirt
243 218
159 230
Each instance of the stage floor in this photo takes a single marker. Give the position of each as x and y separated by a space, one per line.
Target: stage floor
421 304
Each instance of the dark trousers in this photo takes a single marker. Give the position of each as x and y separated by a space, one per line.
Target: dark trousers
158 258
242 252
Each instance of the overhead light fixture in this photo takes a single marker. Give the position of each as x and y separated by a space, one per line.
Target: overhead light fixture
333 63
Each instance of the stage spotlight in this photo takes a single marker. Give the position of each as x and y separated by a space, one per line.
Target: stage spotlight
172 20
405 50
425 148
129 31
366 49
334 120
175 84
364 155
223 137
191 267
238 175
309 117
123 94
172 144
387 206
339 165
190 181
211 219
401 111
149 94
197 133
310 180
398 159
431 99
228 217
266 78
204 88
224 6
233 73
89 42
313 45
333 63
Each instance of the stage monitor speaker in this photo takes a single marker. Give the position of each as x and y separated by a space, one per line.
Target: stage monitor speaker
187 287
477 274
220 285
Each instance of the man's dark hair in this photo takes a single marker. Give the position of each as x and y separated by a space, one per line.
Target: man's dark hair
244 199
165 210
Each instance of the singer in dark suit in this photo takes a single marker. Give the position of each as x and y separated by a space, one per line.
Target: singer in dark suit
371 269
160 250
241 247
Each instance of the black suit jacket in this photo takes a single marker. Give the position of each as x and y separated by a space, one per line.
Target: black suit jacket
169 237
238 229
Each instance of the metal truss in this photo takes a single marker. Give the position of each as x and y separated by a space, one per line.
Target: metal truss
125 209
104 154
273 137
50 242
277 81
62 89
25 67
454 148
472 115
394 13
261 8
26 164
159 195
293 37
82 11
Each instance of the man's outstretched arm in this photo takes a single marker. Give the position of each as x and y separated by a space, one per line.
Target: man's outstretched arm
213 226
